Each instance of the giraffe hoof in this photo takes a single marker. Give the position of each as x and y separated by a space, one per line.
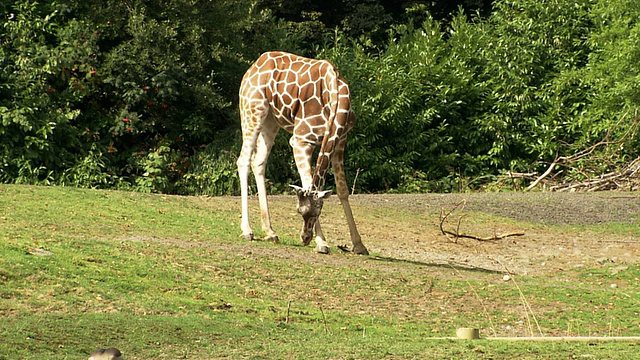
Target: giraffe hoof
248 237
324 249
360 250
273 238
305 240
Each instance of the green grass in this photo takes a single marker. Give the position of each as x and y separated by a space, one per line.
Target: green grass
169 277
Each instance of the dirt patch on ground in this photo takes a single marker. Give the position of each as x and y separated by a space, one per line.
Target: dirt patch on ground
541 208
563 232
558 229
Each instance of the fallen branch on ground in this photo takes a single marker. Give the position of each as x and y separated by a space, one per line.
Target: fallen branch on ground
626 178
457 235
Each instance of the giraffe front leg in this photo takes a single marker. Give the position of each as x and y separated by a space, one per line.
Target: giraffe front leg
321 244
343 195
356 240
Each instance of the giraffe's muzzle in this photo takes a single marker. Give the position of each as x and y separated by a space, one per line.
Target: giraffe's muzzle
307 229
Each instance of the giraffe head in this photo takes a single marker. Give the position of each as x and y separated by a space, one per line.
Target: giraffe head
309 206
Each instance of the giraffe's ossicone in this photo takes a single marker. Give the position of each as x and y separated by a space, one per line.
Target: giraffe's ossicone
308 99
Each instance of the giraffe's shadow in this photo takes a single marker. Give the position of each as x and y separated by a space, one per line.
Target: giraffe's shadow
291 241
442 264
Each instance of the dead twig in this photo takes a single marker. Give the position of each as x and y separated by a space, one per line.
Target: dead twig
627 179
457 235
286 319
324 319
544 175
353 187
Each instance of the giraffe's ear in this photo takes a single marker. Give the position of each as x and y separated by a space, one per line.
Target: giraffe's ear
299 191
323 194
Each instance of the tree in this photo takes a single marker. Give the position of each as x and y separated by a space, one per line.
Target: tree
469 99
315 22
414 102
613 69
49 82
534 49
127 92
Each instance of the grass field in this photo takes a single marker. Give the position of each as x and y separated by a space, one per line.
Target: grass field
167 277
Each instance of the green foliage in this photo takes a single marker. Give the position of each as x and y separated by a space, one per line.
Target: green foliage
89 172
613 71
212 170
121 94
534 49
162 167
48 80
414 102
444 103
141 95
162 80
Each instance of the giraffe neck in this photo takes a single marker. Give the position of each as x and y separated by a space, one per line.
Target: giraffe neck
324 159
331 133
319 179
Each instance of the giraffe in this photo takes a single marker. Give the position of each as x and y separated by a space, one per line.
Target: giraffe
308 99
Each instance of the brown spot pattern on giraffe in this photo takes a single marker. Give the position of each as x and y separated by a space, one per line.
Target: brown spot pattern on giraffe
308 98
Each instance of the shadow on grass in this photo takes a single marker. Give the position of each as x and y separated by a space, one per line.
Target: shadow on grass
447 265
286 244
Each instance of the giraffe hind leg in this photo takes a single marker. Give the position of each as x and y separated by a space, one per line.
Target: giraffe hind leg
252 117
243 173
258 165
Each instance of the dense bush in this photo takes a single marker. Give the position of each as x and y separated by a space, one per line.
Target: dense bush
50 120
439 105
115 94
474 98
143 96
612 74
413 101
530 62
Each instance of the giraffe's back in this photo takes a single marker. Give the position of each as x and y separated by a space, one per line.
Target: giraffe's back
297 91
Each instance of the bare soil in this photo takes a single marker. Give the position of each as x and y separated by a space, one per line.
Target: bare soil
559 229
